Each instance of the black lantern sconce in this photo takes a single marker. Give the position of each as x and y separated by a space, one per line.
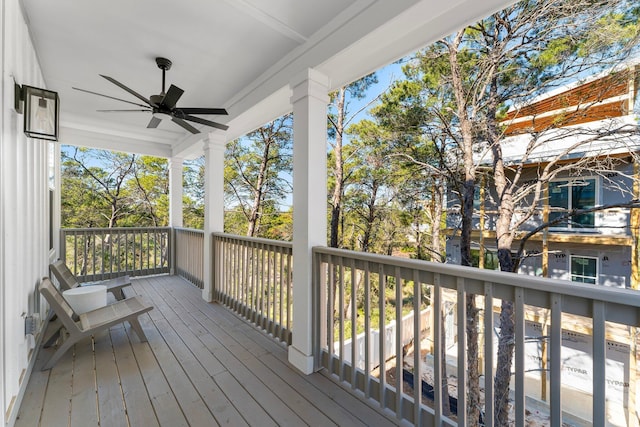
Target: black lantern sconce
41 110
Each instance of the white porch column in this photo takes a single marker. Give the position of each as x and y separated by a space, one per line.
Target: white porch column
175 202
175 192
309 101
214 146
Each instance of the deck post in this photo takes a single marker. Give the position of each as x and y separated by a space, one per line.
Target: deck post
213 146
175 201
309 99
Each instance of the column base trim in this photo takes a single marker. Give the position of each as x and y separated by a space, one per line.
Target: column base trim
303 362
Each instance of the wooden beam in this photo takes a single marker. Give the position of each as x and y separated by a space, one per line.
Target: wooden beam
556 237
482 214
545 233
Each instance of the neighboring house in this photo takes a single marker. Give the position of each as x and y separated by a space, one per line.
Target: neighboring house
592 127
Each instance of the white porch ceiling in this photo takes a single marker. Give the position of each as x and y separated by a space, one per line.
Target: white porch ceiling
236 54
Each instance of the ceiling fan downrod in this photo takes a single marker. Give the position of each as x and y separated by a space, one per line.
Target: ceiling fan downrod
164 64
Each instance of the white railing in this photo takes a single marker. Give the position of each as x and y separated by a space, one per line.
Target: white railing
189 255
102 253
253 278
575 344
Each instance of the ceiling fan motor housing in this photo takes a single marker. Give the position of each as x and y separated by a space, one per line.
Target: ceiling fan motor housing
156 99
163 63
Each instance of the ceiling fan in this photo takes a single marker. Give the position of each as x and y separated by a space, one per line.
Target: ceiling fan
163 106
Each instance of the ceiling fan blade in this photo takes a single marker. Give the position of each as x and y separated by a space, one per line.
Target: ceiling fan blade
154 123
206 111
131 91
185 125
107 96
123 111
204 122
171 98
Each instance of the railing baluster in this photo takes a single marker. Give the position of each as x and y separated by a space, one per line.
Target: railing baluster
417 347
556 360
354 321
289 289
367 331
519 357
263 286
488 353
93 255
462 351
319 283
399 346
341 315
281 290
437 349
75 254
118 266
331 302
382 283
599 363
126 251
270 289
238 299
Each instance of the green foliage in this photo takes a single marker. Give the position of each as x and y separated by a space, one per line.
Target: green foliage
108 189
257 178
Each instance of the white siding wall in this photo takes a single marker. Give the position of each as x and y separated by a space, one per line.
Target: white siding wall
24 212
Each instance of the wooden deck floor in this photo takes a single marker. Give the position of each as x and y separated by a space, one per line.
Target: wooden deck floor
202 366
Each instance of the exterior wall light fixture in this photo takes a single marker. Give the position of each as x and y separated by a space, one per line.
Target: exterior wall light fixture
41 110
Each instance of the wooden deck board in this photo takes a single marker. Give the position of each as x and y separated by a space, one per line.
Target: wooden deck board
167 410
110 400
31 409
137 402
56 405
202 366
243 359
84 406
193 407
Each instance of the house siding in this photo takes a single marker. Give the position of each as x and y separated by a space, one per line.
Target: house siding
24 212
609 238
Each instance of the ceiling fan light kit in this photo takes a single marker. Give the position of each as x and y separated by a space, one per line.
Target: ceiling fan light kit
163 106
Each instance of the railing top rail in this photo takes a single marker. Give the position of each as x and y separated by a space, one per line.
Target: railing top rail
259 240
112 229
627 297
190 230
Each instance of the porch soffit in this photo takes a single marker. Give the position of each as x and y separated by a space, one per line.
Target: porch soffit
236 54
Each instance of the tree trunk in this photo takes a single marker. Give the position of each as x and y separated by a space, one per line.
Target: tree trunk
371 217
468 188
338 172
436 225
254 216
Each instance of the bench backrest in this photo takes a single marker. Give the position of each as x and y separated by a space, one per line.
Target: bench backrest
59 305
64 275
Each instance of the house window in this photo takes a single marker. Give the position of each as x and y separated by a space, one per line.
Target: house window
566 195
584 269
490 259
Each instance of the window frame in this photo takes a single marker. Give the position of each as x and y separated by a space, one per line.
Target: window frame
569 181
597 269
